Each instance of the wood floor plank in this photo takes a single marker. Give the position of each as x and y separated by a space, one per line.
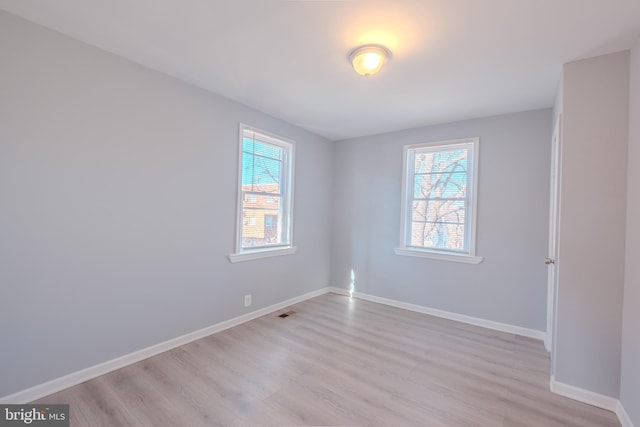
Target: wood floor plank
336 361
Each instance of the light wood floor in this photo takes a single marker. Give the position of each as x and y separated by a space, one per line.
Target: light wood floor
336 362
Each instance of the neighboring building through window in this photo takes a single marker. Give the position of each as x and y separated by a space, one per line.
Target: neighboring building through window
265 190
439 200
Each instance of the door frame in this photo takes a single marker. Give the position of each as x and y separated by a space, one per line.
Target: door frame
554 217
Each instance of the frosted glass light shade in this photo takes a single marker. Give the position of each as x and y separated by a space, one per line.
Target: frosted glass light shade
368 60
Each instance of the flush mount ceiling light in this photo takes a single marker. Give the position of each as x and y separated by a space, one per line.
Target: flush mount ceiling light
369 59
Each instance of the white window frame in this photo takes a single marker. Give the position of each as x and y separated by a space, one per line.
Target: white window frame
287 247
471 206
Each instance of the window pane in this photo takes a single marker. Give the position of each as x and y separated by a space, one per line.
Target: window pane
268 150
440 185
445 211
438 224
265 190
261 220
439 204
266 175
261 174
437 235
262 149
440 161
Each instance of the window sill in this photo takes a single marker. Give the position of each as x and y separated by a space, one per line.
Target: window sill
263 253
467 259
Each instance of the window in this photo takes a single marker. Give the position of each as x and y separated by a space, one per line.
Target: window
265 189
439 200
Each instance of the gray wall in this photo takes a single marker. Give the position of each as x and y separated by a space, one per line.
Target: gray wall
630 374
117 208
117 211
592 223
510 285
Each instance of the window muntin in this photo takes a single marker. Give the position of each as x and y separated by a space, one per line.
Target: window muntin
265 192
439 198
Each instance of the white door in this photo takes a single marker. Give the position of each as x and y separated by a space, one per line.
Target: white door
554 191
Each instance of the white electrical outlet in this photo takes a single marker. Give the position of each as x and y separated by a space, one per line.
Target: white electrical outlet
247 300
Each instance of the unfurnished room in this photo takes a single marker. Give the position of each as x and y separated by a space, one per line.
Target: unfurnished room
320 213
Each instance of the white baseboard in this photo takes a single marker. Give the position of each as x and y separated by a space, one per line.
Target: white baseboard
45 389
595 399
624 418
584 396
488 324
575 393
41 390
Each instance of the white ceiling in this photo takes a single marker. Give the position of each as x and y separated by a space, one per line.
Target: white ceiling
452 59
